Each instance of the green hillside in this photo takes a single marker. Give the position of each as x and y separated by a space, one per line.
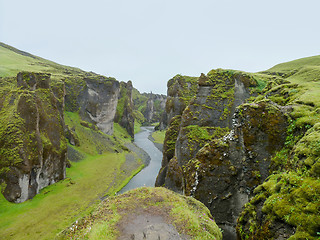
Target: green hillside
305 72
13 61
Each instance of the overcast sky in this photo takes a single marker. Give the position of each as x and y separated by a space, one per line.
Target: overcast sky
150 41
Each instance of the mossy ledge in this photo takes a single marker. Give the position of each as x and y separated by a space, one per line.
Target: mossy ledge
155 213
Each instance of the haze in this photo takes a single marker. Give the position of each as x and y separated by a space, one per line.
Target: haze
150 41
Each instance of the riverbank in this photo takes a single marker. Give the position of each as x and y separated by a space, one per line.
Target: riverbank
148 175
157 137
101 165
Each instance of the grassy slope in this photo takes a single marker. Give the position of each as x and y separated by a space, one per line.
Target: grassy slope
159 136
305 72
58 205
13 61
292 193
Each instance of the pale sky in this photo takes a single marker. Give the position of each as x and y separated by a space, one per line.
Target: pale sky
150 41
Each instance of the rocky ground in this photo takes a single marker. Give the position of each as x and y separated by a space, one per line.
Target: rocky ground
146 213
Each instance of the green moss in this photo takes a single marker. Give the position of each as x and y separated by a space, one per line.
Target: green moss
189 216
289 197
184 87
65 201
159 136
94 142
137 127
122 102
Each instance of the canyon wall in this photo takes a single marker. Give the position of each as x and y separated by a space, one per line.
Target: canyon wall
33 145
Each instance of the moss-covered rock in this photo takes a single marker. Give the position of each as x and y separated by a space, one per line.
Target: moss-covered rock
287 206
146 213
209 113
33 145
124 111
168 154
225 171
181 89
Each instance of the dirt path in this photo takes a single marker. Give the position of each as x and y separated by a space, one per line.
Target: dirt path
148 224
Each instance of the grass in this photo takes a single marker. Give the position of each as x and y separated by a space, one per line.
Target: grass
137 127
159 136
13 61
292 194
58 205
102 172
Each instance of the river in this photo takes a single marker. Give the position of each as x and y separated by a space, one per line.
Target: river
148 175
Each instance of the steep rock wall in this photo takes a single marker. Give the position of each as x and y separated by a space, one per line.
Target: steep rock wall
98 102
124 111
33 146
181 89
207 116
224 173
148 107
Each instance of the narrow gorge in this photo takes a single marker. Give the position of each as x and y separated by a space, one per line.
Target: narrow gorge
236 142
234 155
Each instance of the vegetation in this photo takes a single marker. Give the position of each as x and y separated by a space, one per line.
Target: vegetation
188 216
291 194
60 204
159 136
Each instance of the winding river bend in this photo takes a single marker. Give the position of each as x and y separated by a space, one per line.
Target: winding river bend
148 175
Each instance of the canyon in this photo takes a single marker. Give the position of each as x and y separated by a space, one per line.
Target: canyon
241 148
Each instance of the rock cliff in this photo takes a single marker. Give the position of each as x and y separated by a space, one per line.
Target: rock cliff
211 153
181 89
224 172
211 100
124 111
246 146
96 99
33 146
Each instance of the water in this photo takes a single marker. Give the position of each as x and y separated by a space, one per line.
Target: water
148 175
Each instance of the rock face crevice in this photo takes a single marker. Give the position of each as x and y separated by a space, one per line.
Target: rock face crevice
33 146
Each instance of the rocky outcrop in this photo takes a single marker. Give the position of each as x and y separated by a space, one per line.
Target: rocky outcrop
222 147
224 173
98 102
124 113
207 116
147 213
95 98
181 89
33 146
102 101
255 165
